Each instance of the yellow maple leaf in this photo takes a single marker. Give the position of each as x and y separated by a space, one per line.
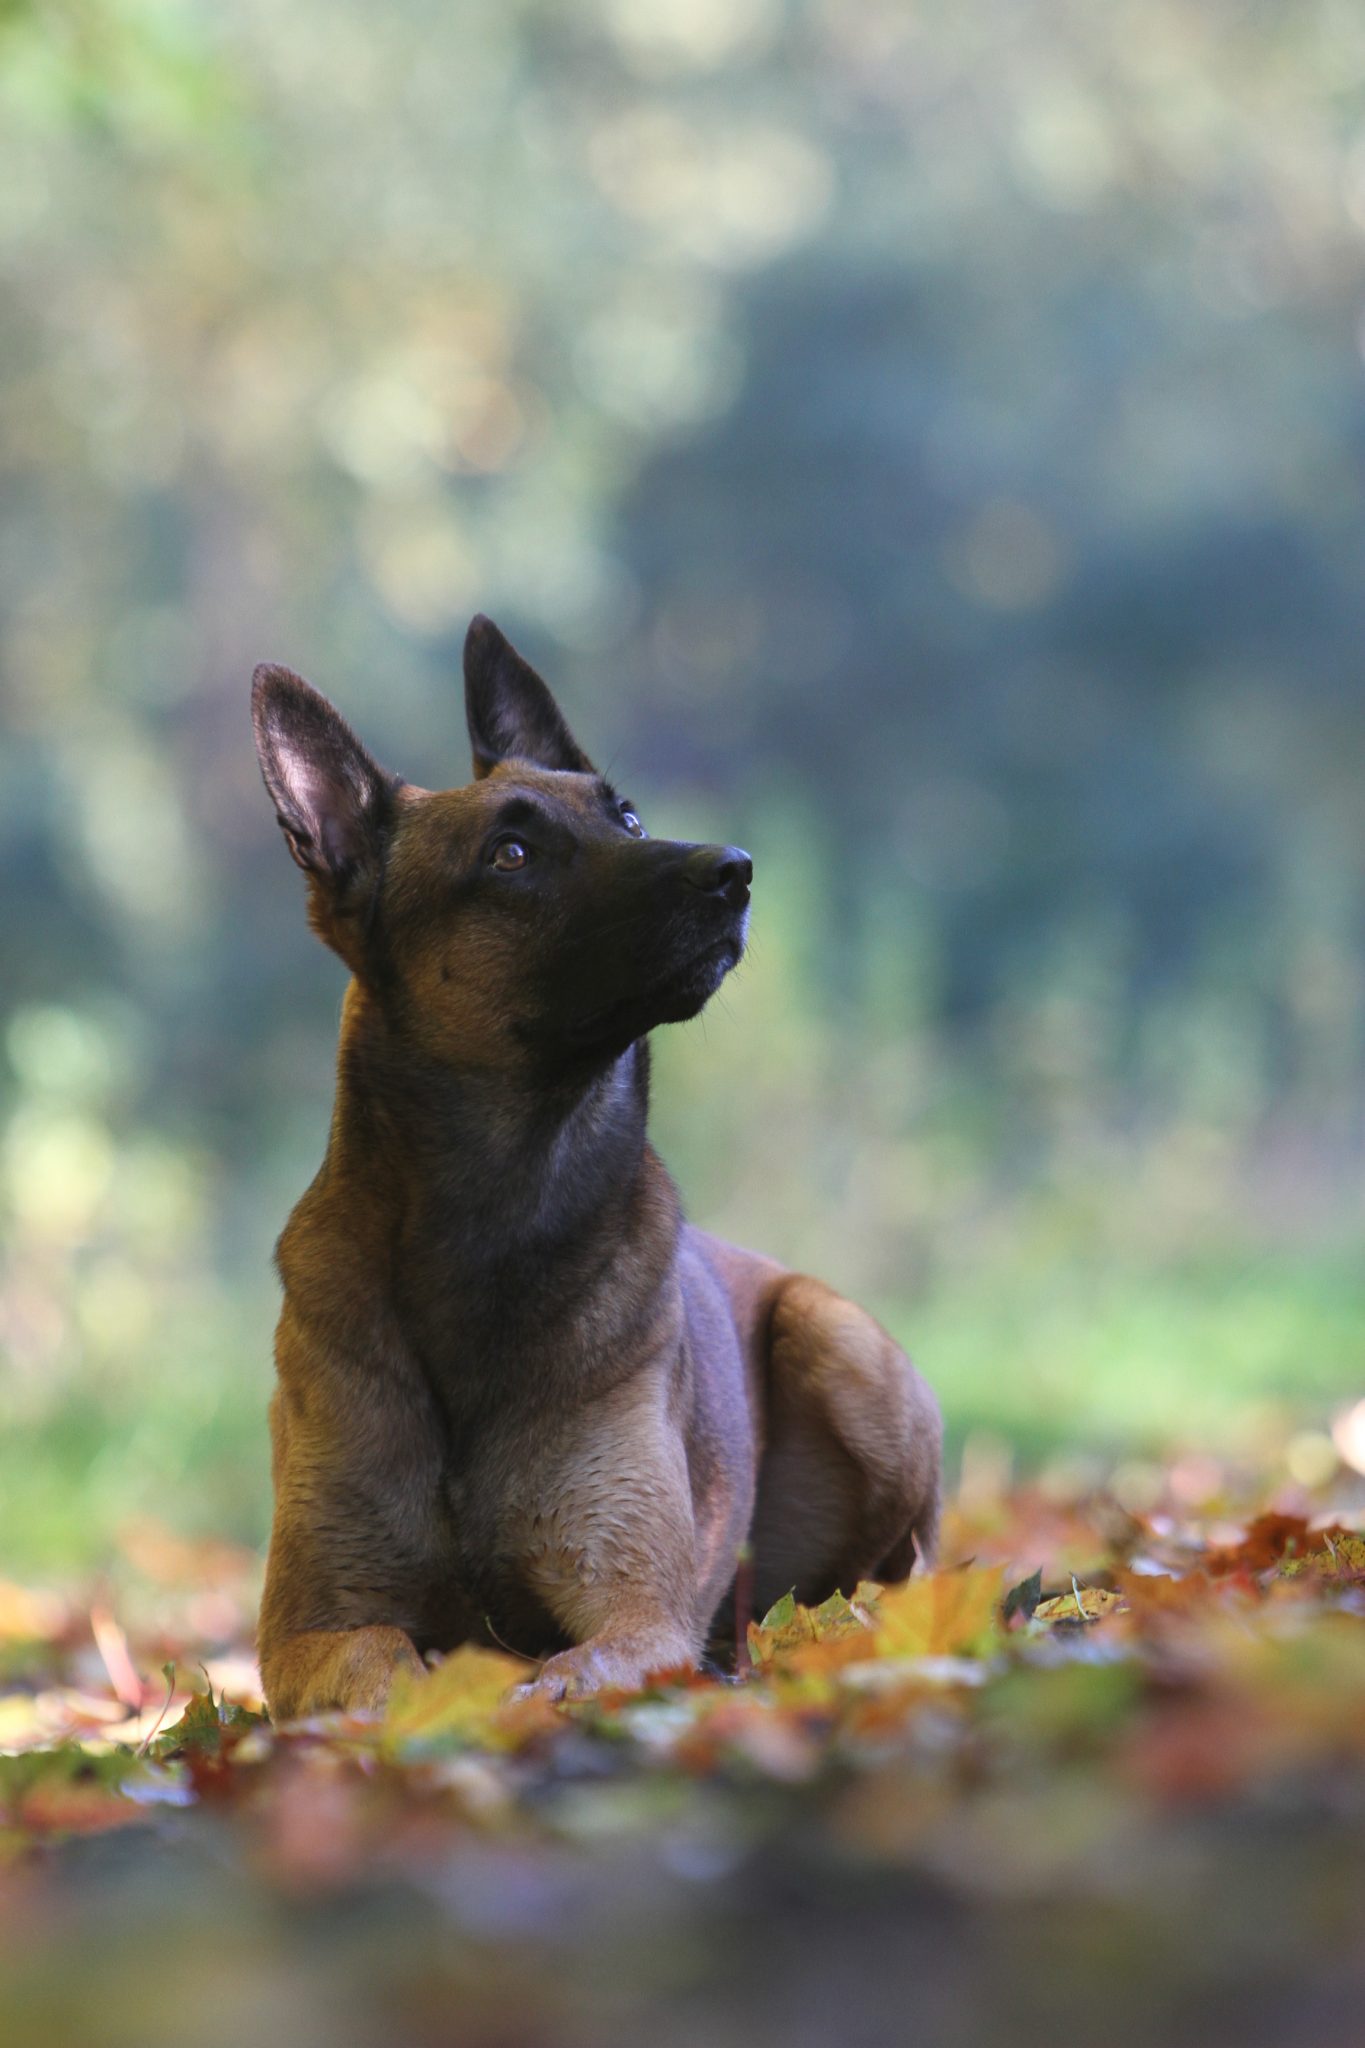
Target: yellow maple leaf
460 1698
942 1614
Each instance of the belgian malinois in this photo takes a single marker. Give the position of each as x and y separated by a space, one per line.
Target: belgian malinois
519 1399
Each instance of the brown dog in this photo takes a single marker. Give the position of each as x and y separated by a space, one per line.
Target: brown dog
520 1400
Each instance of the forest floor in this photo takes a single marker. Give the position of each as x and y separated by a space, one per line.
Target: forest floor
1100 1777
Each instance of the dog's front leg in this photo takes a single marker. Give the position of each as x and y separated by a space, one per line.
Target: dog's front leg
622 1654
341 1588
611 1552
629 1596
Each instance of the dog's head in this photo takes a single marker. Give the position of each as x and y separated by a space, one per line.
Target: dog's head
528 914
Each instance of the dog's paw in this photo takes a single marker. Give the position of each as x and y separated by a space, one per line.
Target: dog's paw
349 1671
573 1675
600 1667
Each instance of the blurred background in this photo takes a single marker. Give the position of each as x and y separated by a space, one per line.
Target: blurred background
924 445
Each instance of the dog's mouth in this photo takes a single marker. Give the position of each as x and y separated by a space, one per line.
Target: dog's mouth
671 999
706 970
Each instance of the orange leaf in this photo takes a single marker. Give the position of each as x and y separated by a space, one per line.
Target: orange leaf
1159 1596
1266 1541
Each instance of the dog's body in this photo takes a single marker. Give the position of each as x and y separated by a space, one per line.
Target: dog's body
520 1400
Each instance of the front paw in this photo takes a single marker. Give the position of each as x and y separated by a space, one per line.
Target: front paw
570 1675
600 1667
349 1671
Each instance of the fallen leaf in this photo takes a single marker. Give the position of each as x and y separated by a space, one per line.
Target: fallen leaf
1023 1599
208 1725
1265 1541
941 1614
788 1626
458 1702
64 1791
1341 1556
1082 1604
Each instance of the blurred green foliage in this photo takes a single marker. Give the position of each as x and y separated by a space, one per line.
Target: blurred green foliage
925 445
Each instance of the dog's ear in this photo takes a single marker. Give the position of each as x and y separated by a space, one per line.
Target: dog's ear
510 710
333 800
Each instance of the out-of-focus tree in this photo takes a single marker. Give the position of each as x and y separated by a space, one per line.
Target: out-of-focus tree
929 445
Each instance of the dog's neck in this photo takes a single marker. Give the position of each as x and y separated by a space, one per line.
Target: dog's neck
486 1165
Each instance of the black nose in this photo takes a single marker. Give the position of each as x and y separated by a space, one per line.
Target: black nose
724 871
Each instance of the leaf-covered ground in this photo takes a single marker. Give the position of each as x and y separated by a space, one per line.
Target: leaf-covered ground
1100 1777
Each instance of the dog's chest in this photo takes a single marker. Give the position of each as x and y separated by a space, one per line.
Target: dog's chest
504 1551
552 1507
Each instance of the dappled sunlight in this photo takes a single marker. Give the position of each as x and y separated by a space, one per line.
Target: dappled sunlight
921 446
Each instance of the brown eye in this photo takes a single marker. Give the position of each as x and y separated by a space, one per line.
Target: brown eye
632 825
509 855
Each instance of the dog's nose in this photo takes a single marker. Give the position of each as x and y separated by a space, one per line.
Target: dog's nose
724 871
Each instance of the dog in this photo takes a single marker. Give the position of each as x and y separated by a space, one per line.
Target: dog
519 1400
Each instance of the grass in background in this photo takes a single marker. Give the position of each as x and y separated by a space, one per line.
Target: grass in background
1073 1368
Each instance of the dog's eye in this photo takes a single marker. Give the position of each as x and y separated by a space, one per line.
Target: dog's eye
509 855
632 825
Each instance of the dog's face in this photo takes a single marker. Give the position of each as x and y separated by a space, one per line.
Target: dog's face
527 916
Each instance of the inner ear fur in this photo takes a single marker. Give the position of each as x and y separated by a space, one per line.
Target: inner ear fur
334 802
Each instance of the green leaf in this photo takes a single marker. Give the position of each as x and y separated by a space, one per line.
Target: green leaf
781 1614
203 1725
1023 1598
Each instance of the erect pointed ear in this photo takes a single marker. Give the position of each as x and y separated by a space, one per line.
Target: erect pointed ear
332 798
510 710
